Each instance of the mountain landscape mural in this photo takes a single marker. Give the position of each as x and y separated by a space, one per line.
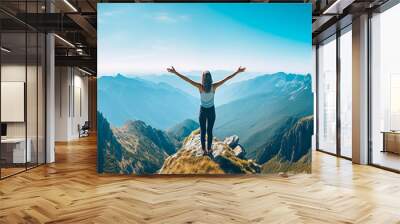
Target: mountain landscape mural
155 64
264 125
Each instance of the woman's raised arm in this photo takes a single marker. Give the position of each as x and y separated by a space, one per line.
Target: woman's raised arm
173 71
219 83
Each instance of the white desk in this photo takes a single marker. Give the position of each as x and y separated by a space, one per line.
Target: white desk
19 152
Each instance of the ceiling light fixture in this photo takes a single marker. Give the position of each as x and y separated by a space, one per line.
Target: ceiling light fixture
79 51
84 71
64 40
337 7
329 9
5 50
70 5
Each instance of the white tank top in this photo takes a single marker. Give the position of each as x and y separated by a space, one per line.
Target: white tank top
207 99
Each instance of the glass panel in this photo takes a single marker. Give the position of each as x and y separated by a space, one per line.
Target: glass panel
346 94
31 100
31 86
13 88
23 90
385 94
327 96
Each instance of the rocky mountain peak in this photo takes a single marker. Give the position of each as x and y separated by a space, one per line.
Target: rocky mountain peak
225 159
135 124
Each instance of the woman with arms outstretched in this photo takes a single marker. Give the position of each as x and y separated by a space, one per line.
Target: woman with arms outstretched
207 110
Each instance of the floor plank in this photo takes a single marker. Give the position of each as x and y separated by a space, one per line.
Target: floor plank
70 191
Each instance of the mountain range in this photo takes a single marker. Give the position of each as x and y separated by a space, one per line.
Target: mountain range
267 102
163 104
177 82
149 121
277 84
158 104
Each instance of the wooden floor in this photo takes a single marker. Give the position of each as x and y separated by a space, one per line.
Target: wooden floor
386 159
5 172
70 191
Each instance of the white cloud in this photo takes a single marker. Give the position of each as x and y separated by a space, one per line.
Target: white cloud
164 17
108 13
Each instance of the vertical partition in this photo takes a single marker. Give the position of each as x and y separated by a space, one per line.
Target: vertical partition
13 103
346 92
32 97
385 89
22 92
327 95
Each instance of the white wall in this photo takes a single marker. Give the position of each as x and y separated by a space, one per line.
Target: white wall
71 102
12 73
80 110
62 82
33 127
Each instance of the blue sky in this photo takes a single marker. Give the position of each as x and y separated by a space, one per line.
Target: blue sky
141 39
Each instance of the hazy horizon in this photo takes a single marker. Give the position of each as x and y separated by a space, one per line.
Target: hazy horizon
197 73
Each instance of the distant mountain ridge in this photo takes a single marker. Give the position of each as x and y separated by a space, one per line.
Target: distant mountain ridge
183 129
270 84
160 105
177 82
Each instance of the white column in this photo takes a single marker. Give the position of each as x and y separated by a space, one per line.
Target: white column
360 90
50 92
50 100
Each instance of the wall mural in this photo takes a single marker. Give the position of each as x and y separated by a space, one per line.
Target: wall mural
200 88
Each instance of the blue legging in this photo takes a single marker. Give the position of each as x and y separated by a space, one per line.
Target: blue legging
206 120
